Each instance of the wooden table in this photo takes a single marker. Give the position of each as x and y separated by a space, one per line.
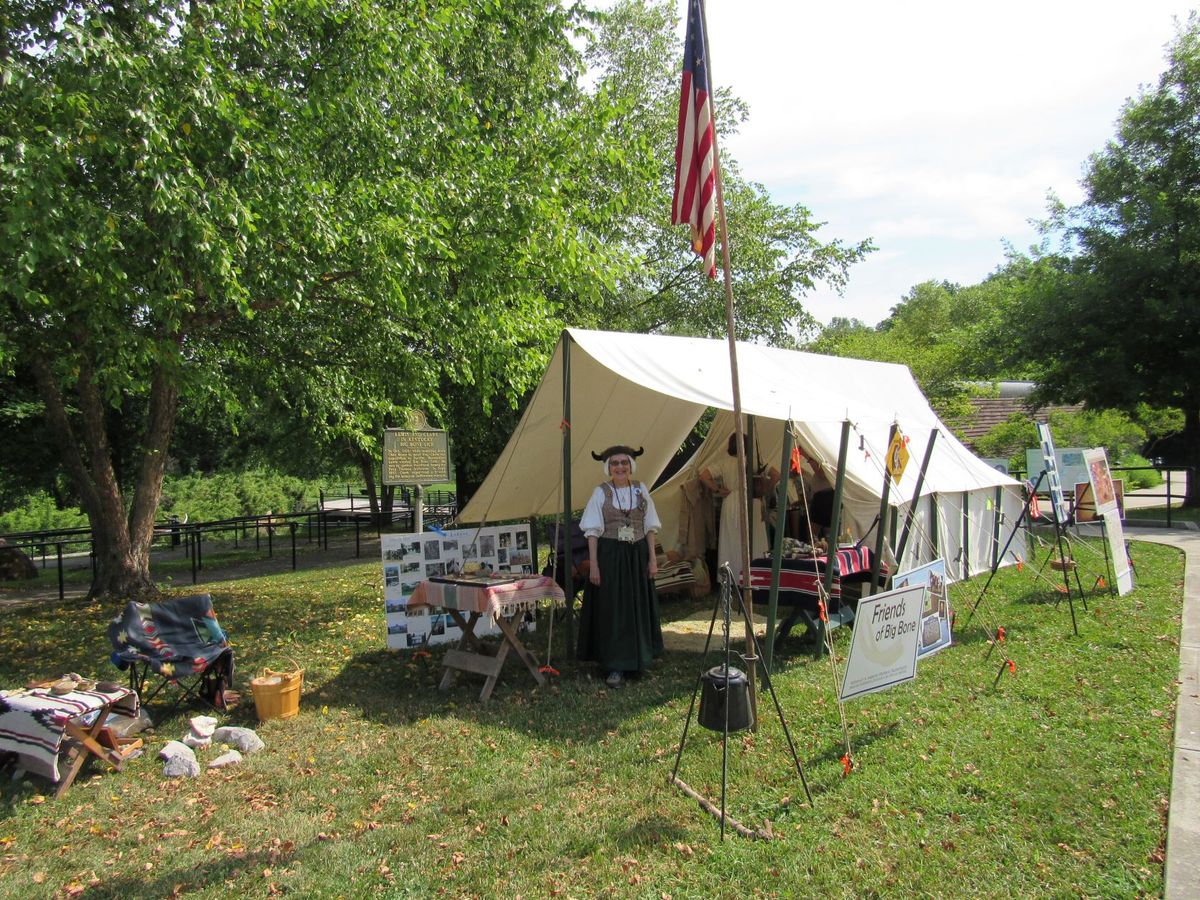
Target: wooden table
504 599
53 735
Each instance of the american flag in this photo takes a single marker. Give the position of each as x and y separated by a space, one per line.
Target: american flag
695 199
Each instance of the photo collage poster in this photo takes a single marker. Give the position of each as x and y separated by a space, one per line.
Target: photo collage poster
1051 466
409 559
936 614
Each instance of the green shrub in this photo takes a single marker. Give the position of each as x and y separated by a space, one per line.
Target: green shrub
227 495
41 513
1146 478
198 498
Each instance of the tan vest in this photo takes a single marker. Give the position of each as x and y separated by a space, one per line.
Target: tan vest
616 514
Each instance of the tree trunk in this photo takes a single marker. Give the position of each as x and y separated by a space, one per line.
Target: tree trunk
121 543
366 465
1191 443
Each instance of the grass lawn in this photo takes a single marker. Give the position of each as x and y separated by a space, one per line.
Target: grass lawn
1053 782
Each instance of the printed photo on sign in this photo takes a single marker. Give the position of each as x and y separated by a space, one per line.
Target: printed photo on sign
883 647
1050 465
424 556
935 610
1101 480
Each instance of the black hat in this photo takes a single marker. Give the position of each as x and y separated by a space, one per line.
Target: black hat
615 449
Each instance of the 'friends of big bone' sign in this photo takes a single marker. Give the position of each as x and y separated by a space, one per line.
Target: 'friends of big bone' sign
883 648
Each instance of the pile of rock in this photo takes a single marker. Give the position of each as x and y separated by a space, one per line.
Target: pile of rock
179 757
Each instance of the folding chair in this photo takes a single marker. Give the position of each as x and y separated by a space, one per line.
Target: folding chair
178 640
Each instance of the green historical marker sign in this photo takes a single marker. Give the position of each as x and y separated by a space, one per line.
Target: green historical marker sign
415 455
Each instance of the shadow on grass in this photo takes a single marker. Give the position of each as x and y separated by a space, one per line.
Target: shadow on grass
390 688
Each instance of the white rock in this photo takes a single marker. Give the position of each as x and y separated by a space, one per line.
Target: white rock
180 760
228 758
244 739
196 743
203 726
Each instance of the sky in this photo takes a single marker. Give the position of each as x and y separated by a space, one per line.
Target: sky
937 129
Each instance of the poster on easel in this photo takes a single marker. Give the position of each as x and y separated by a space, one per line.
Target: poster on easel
883 647
935 609
1085 507
1103 491
1105 494
409 559
1050 465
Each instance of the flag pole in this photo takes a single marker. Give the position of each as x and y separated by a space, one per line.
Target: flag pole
739 428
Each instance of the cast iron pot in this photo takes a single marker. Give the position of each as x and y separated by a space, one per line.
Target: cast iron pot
717 691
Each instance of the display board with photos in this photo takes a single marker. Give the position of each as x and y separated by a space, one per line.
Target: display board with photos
936 614
409 559
1068 468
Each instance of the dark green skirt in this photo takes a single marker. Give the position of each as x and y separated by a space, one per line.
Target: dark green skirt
619 626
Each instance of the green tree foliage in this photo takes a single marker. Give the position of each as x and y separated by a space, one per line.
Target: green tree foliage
1121 437
1113 319
230 202
933 331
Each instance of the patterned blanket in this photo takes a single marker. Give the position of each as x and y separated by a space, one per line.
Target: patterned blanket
33 722
503 599
178 638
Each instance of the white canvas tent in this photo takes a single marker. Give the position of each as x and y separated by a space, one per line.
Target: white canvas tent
649 391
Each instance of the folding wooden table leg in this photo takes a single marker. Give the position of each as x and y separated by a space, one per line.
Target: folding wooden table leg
85 745
511 638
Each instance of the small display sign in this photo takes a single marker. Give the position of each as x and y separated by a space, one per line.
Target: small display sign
897 457
415 456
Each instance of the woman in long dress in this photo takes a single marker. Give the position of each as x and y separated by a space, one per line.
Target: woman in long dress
619 626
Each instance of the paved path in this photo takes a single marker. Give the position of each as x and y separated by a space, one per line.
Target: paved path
1182 878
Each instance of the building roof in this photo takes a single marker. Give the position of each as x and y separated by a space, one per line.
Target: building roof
992 411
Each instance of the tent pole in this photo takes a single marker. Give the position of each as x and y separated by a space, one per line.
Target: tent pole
781 511
835 517
568 574
877 562
743 524
912 507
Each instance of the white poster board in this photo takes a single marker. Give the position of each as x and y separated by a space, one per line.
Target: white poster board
1122 571
408 559
935 605
883 648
